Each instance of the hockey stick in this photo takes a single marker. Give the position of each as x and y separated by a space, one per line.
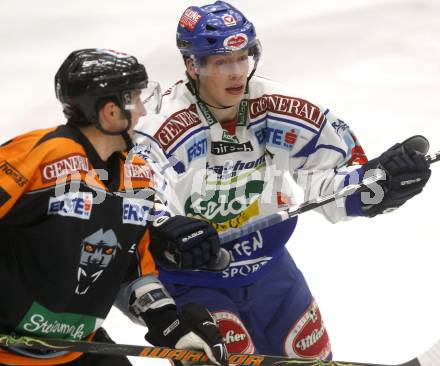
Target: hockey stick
429 358
273 219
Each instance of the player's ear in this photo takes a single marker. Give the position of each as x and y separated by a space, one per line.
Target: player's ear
109 112
191 68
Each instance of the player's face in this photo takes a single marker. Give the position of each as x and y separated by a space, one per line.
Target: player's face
139 108
136 110
142 102
223 78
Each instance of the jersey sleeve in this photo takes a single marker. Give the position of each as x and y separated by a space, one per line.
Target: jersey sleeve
332 159
27 170
17 170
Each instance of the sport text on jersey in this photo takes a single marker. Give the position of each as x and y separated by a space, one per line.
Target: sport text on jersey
176 125
295 107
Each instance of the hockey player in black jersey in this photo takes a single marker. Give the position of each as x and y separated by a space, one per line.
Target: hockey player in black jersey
75 213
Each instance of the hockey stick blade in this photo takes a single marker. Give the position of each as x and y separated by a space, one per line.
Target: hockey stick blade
273 219
429 358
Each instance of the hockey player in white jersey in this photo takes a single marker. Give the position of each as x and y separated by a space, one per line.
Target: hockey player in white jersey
241 143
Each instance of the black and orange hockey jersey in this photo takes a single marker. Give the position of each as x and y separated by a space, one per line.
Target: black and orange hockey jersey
73 230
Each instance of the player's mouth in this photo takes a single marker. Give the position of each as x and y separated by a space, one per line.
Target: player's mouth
235 90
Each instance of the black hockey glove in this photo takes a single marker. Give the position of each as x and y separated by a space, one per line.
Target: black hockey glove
192 328
188 243
407 172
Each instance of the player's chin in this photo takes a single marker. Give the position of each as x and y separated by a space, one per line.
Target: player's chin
233 98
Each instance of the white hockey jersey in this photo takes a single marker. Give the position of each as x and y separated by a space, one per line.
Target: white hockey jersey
283 142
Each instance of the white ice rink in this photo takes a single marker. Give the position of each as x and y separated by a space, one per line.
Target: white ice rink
375 63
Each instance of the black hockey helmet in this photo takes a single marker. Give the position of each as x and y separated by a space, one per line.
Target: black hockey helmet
89 76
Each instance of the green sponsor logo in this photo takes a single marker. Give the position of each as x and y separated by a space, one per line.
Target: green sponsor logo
207 113
230 138
43 322
219 206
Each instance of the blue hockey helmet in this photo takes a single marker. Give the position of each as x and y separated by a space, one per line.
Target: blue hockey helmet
213 29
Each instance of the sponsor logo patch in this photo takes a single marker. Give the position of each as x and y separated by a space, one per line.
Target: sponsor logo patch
284 200
239 220
224 212
72 204
64 166
43 322
10 170
290 137
235 335
308 338
137 172
278 137
189 19
196 149
235 42
230 168
340 127
294 107
176 125
136 211
222 148
229 138
245 268
229 20
358 156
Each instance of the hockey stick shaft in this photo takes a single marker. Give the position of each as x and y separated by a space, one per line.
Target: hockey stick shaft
276 218
429 358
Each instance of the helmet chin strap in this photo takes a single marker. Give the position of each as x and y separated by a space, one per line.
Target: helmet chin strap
123 133
199 98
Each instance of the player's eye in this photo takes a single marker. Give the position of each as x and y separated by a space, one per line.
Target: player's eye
89 248
243 58
220 62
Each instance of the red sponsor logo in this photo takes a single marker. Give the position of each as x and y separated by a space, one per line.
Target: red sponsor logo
189 19
284 200
294 107
176 125
236 42
229 20
358 156
66 165
235 335
116 53
308 338
137 171
290 137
